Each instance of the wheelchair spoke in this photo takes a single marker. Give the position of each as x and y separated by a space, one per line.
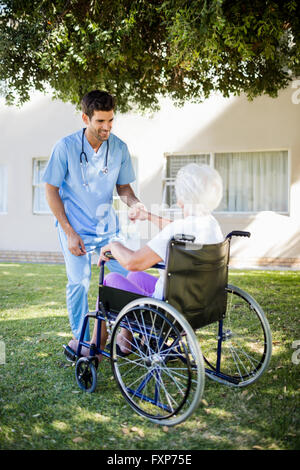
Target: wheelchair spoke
135 345
138 379
152 332
175 371
176 382
146 337
244 347
136 363
236 360
168 396
156 377
237 354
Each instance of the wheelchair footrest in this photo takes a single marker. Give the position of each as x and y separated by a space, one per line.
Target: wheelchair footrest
69 353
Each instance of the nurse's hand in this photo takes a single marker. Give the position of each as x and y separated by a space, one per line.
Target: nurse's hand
137 212
76 245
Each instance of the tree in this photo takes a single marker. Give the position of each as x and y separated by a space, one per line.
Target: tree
142 49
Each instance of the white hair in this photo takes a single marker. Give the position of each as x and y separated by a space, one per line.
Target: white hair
199 188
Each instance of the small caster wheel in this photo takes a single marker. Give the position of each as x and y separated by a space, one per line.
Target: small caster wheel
86 375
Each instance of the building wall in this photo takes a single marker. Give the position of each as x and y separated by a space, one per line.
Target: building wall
229 125
217 125
28 133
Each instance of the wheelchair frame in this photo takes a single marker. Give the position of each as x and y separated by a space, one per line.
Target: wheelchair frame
161 336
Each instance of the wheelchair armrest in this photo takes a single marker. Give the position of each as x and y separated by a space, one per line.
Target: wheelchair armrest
157 266
238 233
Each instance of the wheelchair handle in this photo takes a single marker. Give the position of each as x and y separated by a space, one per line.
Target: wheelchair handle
102 263
238 233
158 265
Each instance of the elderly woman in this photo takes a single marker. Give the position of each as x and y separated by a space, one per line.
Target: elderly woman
198 192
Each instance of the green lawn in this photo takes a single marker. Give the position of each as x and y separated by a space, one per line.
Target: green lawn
41 406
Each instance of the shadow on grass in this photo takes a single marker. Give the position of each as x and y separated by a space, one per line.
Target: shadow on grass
41 406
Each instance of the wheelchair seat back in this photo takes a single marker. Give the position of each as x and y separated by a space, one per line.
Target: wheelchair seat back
113 300
195 280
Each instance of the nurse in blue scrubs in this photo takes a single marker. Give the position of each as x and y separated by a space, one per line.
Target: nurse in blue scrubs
83 170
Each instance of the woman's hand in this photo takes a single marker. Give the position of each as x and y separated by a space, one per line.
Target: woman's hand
102 256
137 212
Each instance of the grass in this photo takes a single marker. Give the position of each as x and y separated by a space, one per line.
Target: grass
41 407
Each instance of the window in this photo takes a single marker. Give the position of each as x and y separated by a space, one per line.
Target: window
3 189
40 205
173 165
252 181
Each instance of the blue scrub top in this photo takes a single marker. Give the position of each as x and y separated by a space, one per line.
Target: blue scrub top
89 208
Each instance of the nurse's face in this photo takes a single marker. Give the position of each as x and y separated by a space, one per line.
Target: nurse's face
99 125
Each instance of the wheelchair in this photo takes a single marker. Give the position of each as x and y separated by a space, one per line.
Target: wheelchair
204 327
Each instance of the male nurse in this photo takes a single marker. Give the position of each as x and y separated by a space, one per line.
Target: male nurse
83 170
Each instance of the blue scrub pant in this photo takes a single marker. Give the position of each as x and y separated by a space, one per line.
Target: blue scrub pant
78 270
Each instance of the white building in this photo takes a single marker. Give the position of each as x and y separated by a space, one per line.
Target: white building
255 146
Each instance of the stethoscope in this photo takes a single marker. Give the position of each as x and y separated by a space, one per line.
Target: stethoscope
83 156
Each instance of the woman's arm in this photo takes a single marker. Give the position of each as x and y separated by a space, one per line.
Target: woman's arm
138 260
139 212
161 222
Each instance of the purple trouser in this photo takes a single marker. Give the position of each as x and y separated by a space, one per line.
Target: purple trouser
137 282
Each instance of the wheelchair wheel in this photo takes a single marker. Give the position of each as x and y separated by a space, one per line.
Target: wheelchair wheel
237 350
163 377
86 374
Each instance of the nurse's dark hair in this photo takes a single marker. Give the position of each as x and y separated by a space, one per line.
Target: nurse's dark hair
97 100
